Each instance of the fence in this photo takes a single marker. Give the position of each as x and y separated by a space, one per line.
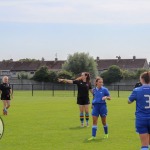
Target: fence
65 87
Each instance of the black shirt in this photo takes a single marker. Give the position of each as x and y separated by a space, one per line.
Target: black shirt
138 84
5 88
83 88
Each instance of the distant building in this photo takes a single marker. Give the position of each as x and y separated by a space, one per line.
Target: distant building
124 64
14 68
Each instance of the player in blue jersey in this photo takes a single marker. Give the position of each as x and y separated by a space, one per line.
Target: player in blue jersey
99 106
142 97
84 85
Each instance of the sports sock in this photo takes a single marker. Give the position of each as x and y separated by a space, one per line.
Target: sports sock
106 129
5 109
144 148
82 117
87 117
94 129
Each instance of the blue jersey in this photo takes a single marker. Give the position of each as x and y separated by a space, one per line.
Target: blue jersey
99 94
142 97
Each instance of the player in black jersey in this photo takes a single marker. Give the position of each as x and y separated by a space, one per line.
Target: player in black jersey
6 94
84 85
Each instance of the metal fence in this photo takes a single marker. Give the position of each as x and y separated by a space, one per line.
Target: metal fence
64 87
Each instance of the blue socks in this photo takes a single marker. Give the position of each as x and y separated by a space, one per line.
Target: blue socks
94 129
144 148
106 129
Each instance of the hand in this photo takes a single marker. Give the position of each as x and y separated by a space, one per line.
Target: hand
104 98
11 96
60 80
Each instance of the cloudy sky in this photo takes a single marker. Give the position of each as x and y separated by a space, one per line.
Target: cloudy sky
49 28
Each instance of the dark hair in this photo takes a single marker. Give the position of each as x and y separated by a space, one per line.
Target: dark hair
146 77
87 77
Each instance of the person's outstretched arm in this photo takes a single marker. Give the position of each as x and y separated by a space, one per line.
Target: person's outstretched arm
65 81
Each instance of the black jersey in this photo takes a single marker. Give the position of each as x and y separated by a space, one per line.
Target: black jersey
5 88
138 84
83 88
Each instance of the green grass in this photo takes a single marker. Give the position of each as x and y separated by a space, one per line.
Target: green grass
44 122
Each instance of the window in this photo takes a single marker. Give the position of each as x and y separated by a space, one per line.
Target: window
31 72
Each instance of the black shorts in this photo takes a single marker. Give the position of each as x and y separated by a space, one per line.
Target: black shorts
83 100
5 97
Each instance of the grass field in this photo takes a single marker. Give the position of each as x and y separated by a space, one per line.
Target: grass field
44 122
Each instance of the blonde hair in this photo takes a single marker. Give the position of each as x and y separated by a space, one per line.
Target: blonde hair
97 79
4 77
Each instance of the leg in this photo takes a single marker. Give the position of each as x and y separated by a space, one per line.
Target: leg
144 141
105 126
5 107
81 108
103 119
8 104
149 140
94 128
87 114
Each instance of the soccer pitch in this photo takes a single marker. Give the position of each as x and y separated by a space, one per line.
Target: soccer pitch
44 122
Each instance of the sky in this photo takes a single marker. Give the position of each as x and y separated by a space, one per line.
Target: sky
47 29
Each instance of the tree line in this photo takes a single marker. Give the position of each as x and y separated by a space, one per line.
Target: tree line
82 62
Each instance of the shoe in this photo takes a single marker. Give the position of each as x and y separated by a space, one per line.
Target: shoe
4 112
106 136
91 138
87 124
82 125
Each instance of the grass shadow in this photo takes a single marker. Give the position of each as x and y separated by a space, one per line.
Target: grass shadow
97 140
77 128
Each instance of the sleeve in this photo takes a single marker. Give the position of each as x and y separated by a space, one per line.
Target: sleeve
132 97
75 81
107 92
9 86
0 86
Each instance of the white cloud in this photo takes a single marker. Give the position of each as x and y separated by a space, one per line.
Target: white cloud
78 11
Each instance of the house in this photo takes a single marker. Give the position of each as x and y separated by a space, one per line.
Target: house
124 64
14 68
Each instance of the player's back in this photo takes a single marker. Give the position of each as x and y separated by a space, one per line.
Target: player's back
143 102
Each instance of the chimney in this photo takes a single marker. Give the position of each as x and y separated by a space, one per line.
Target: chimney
118 58
134 57
56 59
97 58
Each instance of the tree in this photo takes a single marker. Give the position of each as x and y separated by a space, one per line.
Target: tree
128 74
139 71
52 76
23 75
65 74
42 74
27 60
113 74
81 62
